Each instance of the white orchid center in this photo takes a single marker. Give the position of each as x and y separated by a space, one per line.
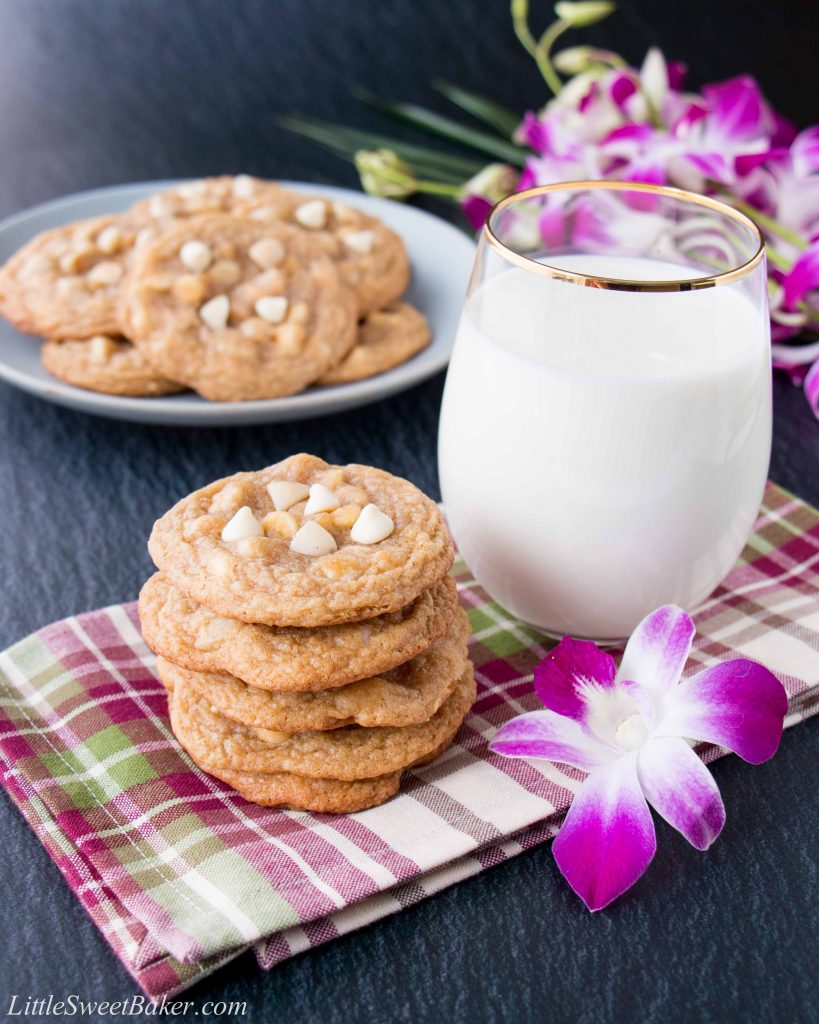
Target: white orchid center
631 733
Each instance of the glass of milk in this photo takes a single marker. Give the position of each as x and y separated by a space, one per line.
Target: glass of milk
606 425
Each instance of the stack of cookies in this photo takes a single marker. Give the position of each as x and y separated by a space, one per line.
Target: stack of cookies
234 287
308 632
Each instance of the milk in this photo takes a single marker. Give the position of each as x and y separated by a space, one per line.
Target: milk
604 452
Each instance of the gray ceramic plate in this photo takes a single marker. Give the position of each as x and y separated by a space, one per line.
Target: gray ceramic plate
441 258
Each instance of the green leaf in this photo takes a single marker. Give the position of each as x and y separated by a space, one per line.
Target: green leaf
449 129
498 117
345 142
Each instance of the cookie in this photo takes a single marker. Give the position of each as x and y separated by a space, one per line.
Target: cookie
330 796
223 194
347 754
372 259
386 338
376 546
324 796
64 282
405 695
290 658
108 364
237 309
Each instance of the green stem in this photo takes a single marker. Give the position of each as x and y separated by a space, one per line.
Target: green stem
768 224
777 258
520 23
438 188
811 313
539 49
542 54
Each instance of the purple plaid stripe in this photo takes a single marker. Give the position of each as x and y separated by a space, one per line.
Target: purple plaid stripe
180 873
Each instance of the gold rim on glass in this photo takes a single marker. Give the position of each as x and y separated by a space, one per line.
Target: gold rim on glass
621 284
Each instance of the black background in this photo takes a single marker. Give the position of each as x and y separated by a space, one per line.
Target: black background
94 92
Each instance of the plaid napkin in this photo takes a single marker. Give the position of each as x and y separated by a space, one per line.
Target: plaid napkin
181 874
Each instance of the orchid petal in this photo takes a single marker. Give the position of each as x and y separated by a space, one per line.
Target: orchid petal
691 116
552 224
784 131
534 133
737 704
547 735
621 87
676 74
811 387
803 277
607 840
681 789
658 649
737 107
476 209
654 77
805 152
568 671
711 165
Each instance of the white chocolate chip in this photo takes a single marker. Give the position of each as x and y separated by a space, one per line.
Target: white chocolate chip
101 348
267 252
322 499
192 190
285 493
360 241
312 214
109 239
243 524
272 308
159 206
144 235
243 186
215 312
263 212
104 274
196 256
372 526
344 213
313 539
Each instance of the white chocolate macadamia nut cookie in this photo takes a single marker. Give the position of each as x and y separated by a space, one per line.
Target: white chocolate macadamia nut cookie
223 194
64 282
237 309
386 338
371 259
105 364
378 548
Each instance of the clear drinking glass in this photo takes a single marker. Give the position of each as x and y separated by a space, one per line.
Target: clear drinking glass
606 425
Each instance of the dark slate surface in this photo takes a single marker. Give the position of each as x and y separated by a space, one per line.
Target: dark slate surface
95 92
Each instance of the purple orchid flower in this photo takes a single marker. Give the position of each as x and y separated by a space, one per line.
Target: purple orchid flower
629 728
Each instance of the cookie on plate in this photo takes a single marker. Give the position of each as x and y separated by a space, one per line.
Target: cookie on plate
386 338
107 364
290 658
64 282
223 194
372 259
406 695
347 753
304 543
237 309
